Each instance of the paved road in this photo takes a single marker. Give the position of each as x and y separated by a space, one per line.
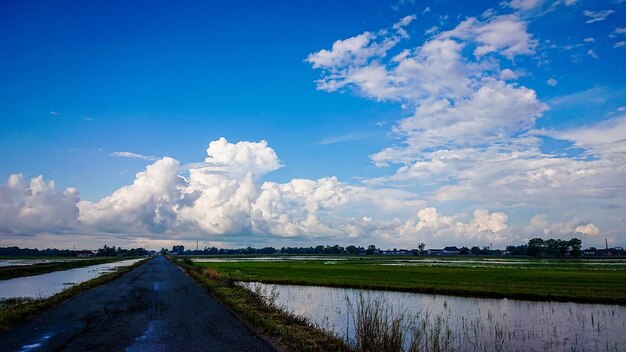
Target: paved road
155 307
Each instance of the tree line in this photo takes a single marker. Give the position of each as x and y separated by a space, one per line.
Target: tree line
105 251
538 247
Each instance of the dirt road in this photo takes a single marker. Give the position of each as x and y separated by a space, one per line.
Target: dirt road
155 307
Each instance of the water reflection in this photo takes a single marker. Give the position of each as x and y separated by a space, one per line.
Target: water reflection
46 285
469 323
24 262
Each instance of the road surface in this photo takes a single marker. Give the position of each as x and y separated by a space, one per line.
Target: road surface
155 307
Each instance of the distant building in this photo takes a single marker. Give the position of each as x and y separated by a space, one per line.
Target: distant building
84 253
451 250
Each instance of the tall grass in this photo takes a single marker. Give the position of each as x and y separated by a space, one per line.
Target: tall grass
378 327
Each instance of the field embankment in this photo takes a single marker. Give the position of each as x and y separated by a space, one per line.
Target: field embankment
291 332
10 272
530 279
14 311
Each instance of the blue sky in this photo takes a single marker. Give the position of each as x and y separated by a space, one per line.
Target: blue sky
86 83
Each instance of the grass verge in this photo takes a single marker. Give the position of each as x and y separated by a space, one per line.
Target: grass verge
11 272
14 311
291 332
570 282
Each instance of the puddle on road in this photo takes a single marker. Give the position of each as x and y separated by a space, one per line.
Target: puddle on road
151 340
46 285
38 344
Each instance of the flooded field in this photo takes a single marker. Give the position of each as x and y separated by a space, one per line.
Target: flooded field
455 262
460 323
46 285
33 261
267 259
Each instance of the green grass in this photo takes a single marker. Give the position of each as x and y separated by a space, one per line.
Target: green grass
14 311
10 272
290 332
535 279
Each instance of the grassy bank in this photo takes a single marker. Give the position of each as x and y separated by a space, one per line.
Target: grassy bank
557 280
288 331
10 272
14 311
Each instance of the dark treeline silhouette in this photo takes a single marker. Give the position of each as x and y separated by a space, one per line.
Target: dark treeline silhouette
336 250
538 247
105 251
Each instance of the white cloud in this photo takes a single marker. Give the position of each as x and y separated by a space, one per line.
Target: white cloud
589 40
131 155
525 4
620 30
508 74
359 49
36 206
597 16
504 34
588 230
431 30
343 138
471 135
593 54
431 225
552 82
619 44
540 226
149 203
239 158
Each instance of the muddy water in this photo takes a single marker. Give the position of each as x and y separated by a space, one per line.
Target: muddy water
466 324
46 285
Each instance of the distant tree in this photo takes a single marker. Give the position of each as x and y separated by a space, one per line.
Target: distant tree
352 250
421 247
163 251
464 251
475 250
371 249
574 245
535 247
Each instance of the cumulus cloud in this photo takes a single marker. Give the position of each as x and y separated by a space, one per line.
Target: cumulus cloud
482 227
504 34
588 230
540 226
359 49
471 134
28 207
149 203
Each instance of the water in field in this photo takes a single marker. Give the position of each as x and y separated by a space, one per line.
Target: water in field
46 285
267 259
461 323
32 261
